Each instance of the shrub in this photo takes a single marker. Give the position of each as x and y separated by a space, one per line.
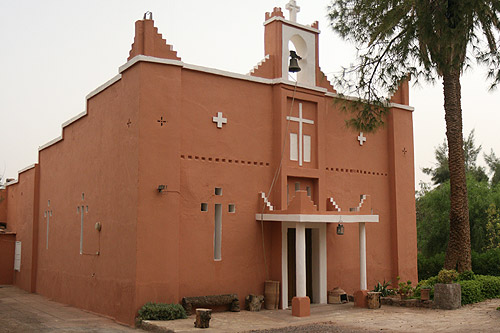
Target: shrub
161 311
471 292
447 276
465 276
490 285
383 288
487 263
428 267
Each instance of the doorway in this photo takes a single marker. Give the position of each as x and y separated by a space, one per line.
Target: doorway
312 264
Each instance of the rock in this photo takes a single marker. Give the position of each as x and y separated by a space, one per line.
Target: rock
447 296
254 302
203 317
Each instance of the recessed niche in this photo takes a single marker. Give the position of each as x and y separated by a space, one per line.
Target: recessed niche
308 189
297 186
218 191
231 208
204 207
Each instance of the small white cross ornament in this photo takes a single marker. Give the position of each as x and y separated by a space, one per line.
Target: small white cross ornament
361 138
219 120
293 9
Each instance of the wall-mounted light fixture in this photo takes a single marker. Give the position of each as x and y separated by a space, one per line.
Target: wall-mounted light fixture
294 62
161 188
340 229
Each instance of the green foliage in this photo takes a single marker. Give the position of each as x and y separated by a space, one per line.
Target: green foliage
421 39
493 163
471 292
475 288
383 288
405 289
492 228
428 267
433 207
466 276
490 285
161 311
441 173
447 276
487 263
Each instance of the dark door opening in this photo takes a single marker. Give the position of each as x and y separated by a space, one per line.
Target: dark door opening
292 291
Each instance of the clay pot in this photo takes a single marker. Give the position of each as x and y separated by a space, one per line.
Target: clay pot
425 294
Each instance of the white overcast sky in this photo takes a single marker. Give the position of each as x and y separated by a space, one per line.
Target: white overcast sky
53 53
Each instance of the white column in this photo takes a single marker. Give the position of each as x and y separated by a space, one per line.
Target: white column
300 259
362 256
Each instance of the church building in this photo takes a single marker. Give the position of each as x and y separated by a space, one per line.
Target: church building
179 180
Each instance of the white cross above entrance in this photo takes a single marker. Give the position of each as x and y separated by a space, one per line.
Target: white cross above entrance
361 138
219 120
47 214
301 121
293 9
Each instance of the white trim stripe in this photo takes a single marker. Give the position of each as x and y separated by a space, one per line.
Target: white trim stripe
317 218
294 24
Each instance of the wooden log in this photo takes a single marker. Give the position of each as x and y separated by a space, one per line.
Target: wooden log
213 300
203 317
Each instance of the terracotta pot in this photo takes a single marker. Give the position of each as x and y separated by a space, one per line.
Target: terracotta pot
425 294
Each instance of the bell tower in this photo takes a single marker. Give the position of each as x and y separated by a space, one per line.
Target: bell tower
283 36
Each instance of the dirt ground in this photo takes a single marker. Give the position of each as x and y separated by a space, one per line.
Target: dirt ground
481 317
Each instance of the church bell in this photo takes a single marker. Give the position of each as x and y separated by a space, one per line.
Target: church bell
294 62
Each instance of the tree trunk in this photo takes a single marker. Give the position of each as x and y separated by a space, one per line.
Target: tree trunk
458 254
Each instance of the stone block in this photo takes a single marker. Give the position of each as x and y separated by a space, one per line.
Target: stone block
301 306
373 300
447 296
254 302
360 299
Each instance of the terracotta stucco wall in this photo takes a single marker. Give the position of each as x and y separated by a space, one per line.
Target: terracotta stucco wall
21 219
3 205
7 246
94 166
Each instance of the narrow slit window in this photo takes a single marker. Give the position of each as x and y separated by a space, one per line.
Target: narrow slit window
308 188
218 232
294 148
17 256
231 208
297 186
307 148
204 207
218 191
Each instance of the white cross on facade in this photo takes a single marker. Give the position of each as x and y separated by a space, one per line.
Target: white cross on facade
219 120
47 214
301 121
361 138
293 9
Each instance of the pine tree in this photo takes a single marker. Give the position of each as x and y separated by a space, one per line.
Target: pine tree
421 39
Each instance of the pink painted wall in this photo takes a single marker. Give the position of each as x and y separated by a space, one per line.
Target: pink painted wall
7 246
22 205
98 157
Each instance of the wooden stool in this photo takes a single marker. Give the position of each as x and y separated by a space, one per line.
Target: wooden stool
203 317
